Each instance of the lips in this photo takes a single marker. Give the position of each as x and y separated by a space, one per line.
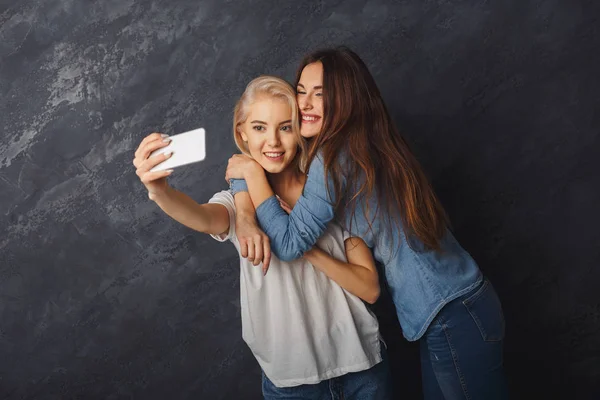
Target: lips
274 156
310 118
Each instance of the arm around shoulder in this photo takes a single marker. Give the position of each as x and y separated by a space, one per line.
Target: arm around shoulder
294 234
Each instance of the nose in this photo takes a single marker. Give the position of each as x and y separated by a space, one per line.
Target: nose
273 139
305 103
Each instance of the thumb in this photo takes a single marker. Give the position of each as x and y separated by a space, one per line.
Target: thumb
285 206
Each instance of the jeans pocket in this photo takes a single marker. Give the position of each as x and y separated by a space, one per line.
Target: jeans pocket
486 311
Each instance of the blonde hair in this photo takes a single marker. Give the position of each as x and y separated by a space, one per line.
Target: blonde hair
268 86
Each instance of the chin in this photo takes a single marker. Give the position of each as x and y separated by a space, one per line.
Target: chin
309 132
274 170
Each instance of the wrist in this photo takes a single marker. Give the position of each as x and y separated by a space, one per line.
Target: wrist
160 194
253 170
246 216
244 207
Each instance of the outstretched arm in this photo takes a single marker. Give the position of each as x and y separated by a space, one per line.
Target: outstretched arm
207 218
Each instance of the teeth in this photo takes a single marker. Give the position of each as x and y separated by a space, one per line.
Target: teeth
307 118
274 155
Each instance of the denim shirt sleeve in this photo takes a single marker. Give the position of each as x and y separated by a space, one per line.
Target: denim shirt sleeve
237 185
292 235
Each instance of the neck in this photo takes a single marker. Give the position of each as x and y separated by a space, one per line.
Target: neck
287 184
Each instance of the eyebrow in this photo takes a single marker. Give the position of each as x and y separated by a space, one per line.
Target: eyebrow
314 87
264 123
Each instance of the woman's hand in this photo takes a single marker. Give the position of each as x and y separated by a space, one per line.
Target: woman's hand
286 207
155 182
254 244
239 165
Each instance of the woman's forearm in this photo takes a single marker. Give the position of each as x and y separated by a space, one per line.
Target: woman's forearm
244 206
294 234
258 186
356 279
206 218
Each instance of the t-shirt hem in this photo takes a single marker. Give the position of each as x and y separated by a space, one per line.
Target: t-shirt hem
334 373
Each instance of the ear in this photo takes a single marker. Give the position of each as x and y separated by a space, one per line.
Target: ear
242 134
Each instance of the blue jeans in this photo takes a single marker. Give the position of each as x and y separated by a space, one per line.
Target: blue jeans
461 352
371 384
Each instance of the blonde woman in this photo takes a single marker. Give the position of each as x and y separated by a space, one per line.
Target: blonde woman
305 321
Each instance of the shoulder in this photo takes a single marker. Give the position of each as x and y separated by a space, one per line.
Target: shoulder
317 165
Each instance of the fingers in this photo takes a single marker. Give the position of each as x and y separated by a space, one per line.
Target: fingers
152 176
267 255
227 173
229 168
150 143
251 250
285 206
145 166
154 145
236 167
153 136
153 161
256 248
258 251
244 248
150 138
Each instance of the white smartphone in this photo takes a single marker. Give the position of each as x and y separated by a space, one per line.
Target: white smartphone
187 147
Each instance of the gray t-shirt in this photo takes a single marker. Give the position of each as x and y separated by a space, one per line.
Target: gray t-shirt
301 326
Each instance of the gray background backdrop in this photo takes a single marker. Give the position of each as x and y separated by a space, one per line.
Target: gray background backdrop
103 296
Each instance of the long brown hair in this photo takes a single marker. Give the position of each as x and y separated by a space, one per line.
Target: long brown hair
356 124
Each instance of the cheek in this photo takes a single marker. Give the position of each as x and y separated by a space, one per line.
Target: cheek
290 144
255 148
293 151
319 105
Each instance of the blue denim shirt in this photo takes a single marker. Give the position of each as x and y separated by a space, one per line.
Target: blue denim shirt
421 282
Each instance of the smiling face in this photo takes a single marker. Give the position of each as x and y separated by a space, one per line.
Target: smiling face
268 133
309 94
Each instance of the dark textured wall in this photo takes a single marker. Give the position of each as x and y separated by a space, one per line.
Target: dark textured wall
103 296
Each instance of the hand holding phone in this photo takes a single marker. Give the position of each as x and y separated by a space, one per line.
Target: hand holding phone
187 147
